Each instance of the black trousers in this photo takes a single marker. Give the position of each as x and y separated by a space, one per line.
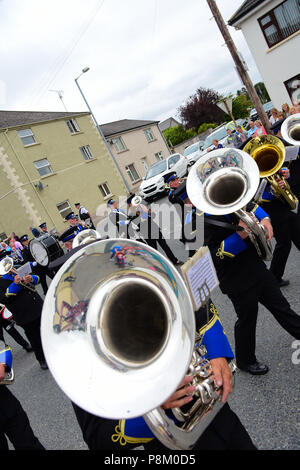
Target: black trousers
286 226
286 232
14 424
11 330
153 242
267 292
33 333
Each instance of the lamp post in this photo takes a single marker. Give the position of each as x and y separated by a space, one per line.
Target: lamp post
86 69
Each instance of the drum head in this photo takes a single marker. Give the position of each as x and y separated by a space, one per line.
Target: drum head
45 249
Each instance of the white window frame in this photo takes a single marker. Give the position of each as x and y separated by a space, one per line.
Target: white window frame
41 167
149 135
105 193
27 134
119 144
86 152
130 174
66 210
72 126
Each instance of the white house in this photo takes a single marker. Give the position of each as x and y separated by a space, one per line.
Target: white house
272 31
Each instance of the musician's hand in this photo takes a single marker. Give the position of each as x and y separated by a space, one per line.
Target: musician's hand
180 398
243 233
17 279
222 376
27 278
2 371
268 226
285 173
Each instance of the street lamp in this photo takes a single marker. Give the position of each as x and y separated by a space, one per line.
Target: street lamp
84 70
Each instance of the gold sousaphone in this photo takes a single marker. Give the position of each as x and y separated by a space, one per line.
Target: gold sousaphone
269 152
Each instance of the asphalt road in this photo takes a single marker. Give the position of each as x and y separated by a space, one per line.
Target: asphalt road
267 405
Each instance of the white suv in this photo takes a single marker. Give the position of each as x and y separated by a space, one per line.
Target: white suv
153 183
193 152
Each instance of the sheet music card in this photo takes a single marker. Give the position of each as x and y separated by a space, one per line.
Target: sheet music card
201 277
24 269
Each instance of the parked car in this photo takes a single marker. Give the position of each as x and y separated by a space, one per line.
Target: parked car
220 134
153 183
193 152
267 107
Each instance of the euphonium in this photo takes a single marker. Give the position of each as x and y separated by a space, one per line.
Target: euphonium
119 336
290 129
269 153
85 236
6 265
222 182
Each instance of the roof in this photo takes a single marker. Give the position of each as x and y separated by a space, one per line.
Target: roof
21 118
246 7
170 122
124 125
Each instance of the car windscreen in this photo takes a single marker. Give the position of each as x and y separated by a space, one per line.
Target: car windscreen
191 149
219 134
156 169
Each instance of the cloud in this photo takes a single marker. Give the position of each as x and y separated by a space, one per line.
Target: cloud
145 58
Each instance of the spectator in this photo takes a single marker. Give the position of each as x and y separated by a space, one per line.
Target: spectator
229 142
35 232
252 129
285 109
260 130
240 134
216 144
274 116
281 115
294 110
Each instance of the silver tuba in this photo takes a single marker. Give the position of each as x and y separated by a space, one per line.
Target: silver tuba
290 129
224 181
127 324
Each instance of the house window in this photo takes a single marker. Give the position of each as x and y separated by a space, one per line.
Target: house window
27 137
105 189
64 208
3 236
43 167
132 173
73 126
293 87
86 152
281 22
149 135
119 144
159 156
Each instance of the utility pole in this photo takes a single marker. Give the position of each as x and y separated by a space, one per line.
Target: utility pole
239 64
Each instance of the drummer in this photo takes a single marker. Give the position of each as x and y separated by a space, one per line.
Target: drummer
41 271
68 236
44 228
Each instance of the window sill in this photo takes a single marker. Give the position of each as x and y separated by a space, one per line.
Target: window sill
32 145
136 181
90 160
47 176
107 197
150 141
122 151
76 133
282 42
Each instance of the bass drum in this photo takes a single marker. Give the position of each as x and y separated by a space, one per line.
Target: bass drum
45 249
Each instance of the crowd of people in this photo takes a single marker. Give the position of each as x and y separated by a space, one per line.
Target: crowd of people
243 276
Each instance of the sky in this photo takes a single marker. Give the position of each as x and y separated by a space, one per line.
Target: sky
145 57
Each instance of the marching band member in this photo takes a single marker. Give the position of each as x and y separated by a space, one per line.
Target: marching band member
40 271
26 307
14 422
150 232
245 279
68 235
84 216
225 431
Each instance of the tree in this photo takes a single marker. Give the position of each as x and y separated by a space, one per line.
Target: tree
240 106
201 107
176 135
